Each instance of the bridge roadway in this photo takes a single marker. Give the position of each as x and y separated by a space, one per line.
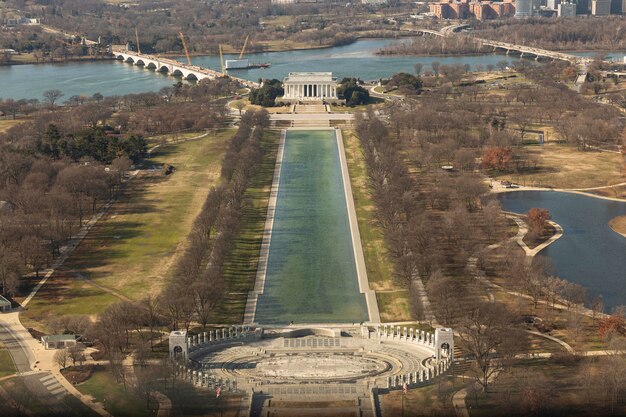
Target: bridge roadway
538 52
173 67
452 30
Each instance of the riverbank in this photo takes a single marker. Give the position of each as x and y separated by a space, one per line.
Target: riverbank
286 48
618 224
29 59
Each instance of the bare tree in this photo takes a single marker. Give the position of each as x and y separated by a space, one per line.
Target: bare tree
486 330
52 96
62 358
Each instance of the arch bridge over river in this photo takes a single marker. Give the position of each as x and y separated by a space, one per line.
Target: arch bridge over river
173 67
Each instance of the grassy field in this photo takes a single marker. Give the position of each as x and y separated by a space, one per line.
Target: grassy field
432 400
120 401
248 106
19 389
241 266
6 362
7 123
128 253
561 166
393 306
373 101
560 386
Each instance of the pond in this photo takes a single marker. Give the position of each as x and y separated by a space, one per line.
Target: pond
590 253
311 274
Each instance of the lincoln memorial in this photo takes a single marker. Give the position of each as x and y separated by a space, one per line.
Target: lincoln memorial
310 86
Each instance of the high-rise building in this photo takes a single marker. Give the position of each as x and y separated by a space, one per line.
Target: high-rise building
616 7
523 8
566 9
553 4
600 7
582 6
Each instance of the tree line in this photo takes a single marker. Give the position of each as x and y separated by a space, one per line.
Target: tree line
608 33
64 162
196 280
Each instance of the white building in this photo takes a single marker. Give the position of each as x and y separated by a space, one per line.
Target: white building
523 8
553 4
601 7
566 9
309 86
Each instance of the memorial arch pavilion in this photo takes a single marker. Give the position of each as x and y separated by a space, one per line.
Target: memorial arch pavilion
310 86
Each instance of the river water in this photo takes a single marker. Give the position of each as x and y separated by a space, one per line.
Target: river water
589 253
116 78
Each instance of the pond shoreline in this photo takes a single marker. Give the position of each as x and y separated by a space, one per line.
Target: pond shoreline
558 190
589 252
618 225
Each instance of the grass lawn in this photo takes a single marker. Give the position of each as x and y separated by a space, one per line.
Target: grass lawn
393 306
6 362
278 21
5 124
23 391
249 106
120 401
561 166
129 252
374 101
431 400
241 266
560 386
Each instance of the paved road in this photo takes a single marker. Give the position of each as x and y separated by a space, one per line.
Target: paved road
42 385
16 348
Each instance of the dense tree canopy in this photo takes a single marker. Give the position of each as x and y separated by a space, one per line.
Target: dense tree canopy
266 95
354 94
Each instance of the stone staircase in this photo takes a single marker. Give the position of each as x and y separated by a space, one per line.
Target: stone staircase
310 123
313 400
461 364
310 108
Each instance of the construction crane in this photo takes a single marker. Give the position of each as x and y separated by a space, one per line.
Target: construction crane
137 39
243 50
222 60
182 39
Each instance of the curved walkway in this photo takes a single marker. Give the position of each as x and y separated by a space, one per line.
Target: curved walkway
582 191
565 345
523 230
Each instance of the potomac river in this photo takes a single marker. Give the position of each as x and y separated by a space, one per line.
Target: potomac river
116 78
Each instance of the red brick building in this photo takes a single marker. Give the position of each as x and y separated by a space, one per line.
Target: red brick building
482 10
